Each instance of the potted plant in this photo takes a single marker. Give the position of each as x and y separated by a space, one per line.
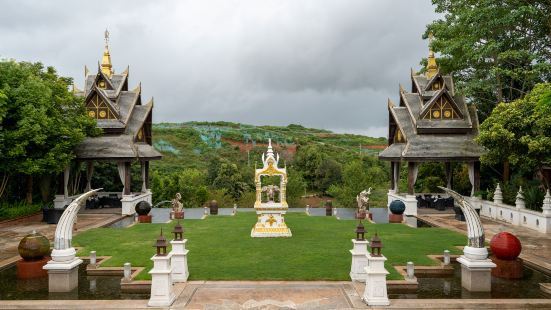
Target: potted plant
51 215
213 206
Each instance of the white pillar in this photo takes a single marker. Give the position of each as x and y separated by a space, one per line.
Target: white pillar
446 257
179 252
127 272
162 293
476 269
359 260
410 271
375 293
93 259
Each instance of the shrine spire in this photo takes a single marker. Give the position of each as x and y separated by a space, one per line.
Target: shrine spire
270 150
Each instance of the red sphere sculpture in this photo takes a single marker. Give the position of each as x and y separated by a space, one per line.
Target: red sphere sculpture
505 246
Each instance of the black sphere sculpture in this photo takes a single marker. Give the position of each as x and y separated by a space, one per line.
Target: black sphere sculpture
143 208
397 207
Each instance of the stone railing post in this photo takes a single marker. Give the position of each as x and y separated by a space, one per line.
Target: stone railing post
498 195
546 209
519 202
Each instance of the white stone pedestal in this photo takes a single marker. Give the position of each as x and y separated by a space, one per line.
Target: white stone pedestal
359 260
180 271
476 275
270 221
61 201
162 293
62 276
375 293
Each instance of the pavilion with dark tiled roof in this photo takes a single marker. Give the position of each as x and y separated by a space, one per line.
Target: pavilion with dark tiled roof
126 124
432 124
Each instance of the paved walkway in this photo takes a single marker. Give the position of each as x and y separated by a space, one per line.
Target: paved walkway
230 295
12 232
536 246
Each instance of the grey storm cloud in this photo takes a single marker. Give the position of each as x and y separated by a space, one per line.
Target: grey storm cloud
324 64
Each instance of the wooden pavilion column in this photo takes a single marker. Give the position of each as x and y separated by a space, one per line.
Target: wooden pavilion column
127 178
89 172
60 184
449 174
476 176
392 181
146 174
411 182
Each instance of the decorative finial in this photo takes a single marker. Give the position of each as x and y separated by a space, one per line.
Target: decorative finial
106 37
270 150
432 67
106 66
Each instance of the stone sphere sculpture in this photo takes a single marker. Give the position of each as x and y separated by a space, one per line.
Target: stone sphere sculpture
34 246
397 207
143 208
505 246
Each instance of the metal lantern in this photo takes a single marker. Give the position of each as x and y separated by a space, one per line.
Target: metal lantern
376 245
360 232
161 245
178 232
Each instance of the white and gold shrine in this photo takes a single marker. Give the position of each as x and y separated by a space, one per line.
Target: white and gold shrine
270 204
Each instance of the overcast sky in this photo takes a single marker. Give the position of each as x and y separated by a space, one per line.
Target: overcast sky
322 64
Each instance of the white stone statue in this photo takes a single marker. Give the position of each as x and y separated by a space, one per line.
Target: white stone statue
475 265
63 250
177 206
363 199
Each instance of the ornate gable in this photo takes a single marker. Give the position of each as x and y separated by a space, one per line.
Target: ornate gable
436 83
99 106
441 106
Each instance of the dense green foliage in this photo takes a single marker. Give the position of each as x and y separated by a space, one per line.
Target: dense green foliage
18 209
520 132
225 155
41 121
497 50
220 247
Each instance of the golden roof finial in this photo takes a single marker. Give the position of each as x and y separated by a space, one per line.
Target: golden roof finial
432 67
106 66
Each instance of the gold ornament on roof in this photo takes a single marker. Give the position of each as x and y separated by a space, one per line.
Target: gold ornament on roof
432 67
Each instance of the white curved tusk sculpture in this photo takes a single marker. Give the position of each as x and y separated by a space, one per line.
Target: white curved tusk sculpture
63 250
475 248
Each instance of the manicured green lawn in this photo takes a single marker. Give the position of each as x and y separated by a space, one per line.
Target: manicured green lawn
221 247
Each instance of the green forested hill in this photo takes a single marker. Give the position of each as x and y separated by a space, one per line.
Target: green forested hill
216 160
190 145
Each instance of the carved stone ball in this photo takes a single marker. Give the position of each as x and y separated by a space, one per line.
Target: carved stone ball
505 246
143 208
34 246
397 207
